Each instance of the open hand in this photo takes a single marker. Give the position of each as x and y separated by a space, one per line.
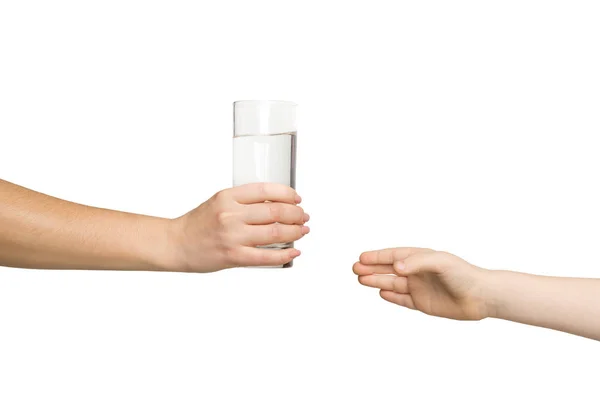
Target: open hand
436 283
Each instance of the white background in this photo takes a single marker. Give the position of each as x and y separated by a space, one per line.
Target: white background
466 126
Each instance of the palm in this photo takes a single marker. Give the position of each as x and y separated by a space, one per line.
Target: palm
439 294
435 283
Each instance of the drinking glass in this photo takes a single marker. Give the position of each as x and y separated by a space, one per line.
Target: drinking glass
264 146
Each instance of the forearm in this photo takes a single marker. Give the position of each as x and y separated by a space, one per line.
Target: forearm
566 304
39 231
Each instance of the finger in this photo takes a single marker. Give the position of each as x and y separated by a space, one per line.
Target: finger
361 269
388 256
385 282
433 262
260 192
255 257
268 213
403 300
260 235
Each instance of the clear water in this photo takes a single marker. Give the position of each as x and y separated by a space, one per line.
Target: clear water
265 158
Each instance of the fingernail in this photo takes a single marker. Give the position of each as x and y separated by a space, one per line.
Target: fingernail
305 230
306 217
295 253
298 199
400 266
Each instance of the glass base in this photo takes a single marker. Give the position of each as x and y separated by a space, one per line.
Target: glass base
278 246
287 265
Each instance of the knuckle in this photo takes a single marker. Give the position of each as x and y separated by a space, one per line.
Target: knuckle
235 255
224 239
221 196
262 258
228 252
224 218
275 211
262 189
276 233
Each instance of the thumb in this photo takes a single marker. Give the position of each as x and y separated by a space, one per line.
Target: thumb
419 263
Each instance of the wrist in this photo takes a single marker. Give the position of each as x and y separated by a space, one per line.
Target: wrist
161 245
494 282
176 255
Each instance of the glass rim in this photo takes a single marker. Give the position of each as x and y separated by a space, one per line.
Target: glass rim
263 102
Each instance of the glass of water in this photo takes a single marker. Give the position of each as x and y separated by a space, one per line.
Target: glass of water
264 146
